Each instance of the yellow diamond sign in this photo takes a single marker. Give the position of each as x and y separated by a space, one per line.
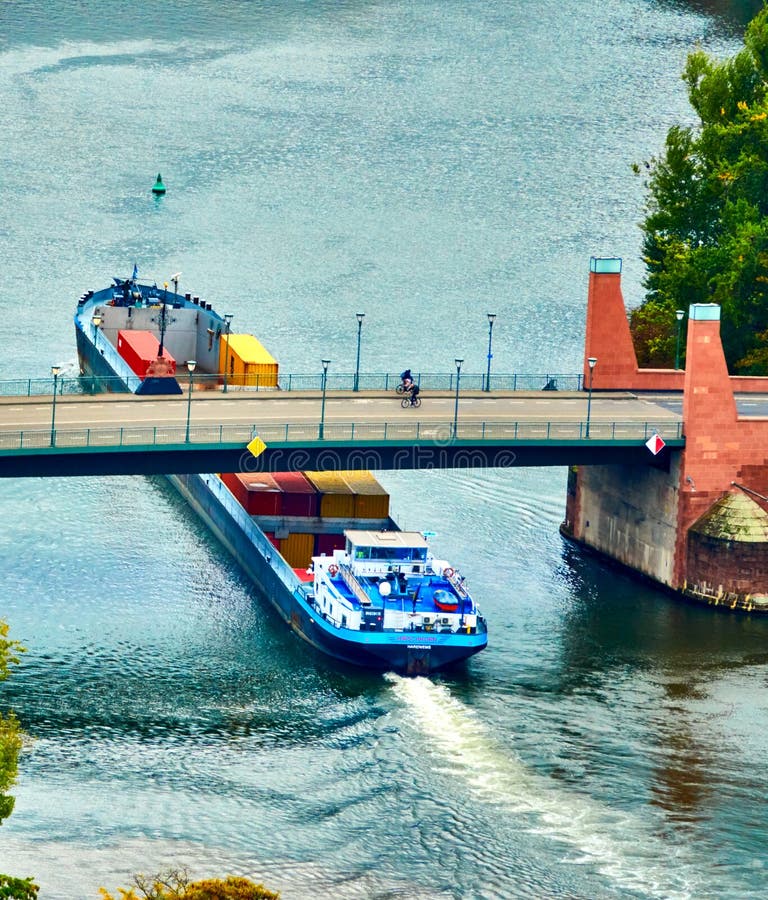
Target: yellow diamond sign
256 446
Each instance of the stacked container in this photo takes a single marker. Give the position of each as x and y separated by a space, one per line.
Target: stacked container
337 500
299 495
257 494
371 500
309 495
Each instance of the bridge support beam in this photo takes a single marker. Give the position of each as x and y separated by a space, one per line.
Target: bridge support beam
701 527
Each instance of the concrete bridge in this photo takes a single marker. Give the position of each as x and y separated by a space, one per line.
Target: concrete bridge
129 434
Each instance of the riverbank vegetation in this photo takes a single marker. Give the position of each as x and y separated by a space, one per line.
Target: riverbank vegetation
706 225
176 885
10 747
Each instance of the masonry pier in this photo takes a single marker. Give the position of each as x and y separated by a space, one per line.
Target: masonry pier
697 521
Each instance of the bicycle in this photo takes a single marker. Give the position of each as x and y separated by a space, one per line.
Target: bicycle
410 401
404 387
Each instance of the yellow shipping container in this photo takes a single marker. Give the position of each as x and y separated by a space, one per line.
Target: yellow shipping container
371 500
246 361
297 549
337 500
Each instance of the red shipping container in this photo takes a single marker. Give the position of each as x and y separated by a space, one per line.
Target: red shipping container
264 497
257 494
327 543
299 495
233 482
139 350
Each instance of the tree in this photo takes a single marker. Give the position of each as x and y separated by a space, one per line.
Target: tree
17 888
706 225
10 731
175 885
10 747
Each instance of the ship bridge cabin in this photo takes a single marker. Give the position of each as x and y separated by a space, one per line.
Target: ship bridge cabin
373 553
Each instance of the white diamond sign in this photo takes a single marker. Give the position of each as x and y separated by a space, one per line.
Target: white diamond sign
655 444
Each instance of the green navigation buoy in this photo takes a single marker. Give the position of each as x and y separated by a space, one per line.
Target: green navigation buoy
159 187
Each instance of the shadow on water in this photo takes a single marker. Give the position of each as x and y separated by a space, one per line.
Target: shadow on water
615 619
733 14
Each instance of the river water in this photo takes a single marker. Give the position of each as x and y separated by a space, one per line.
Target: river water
425 163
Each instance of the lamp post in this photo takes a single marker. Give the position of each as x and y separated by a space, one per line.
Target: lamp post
96 320
163 322
456 404
175 279
55 372
491 320
191 363
326 363
360 317
228 322
679 313
592 363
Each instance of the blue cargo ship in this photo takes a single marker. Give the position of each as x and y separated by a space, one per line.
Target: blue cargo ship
380 599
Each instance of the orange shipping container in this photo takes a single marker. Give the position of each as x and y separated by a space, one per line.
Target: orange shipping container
371 500
297 549
336 498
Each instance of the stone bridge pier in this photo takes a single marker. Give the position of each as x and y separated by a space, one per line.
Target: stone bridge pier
694 520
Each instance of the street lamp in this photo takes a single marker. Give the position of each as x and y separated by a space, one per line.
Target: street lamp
592 363
326 363
491 320
55 372
456 405
96 321
360 317
228 322
191 363
679 313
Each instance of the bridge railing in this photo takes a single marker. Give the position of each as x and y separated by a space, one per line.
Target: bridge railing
303 433
382 381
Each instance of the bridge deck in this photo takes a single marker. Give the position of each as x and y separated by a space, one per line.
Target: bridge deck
126 433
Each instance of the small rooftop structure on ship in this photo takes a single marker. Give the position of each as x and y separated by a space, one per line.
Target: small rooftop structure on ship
387 546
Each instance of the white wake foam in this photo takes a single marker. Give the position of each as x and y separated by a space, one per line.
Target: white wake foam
615 843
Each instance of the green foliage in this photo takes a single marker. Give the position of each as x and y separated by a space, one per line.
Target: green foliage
10 731
10 748
706 225
17 888
175 885
9 651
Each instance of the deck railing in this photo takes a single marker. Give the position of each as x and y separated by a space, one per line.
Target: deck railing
382 381
369 432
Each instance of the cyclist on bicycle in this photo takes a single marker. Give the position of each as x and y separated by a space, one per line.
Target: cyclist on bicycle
414 393
406 379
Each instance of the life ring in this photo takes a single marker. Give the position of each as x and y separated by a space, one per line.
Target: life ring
448 572
333 569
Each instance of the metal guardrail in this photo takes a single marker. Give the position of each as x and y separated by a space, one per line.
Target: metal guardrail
96 384
302 434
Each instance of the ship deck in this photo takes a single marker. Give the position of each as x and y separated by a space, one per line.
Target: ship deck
425 594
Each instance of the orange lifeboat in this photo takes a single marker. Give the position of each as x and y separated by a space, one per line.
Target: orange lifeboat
446 601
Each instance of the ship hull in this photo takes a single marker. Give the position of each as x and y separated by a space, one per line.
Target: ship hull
410 652
414 653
